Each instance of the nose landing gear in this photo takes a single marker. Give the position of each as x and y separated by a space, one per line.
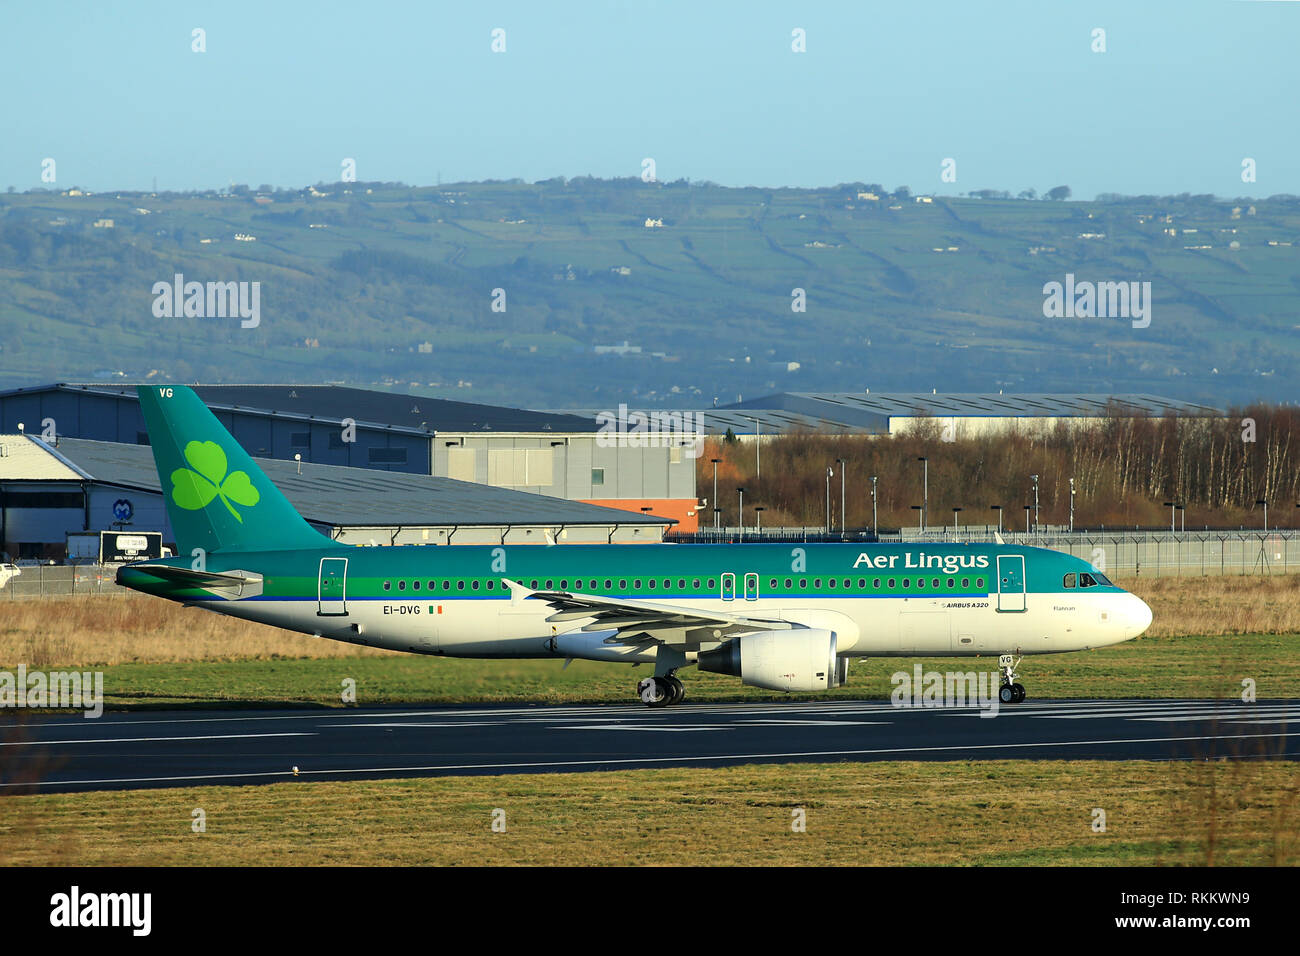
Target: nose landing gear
1011 692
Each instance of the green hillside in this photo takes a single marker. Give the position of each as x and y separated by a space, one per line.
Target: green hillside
901 294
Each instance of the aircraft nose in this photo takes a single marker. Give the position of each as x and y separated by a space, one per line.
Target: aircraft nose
1138 616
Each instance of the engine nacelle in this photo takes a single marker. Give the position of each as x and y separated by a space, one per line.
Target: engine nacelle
799 659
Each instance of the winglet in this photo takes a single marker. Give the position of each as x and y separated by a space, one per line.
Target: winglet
998 538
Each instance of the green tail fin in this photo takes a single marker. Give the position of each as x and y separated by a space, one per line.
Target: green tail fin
217 498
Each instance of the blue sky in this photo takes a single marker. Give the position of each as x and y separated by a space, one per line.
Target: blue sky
412 91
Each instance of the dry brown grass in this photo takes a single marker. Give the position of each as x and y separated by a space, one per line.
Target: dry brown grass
107 630
1225 604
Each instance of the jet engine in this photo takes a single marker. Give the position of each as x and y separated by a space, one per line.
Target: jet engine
798 659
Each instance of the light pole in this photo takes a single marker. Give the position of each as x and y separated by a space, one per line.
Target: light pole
998 509
1264 502
1170 505
1072 506
920 517
875 529
1182 518
830 473
1027 507
758 510
717 517
715 491
843 513
954 521
1035 477
742 512
925 489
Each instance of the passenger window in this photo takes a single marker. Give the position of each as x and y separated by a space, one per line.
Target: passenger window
772 584
788 584
875 583
401 585
892 582
460 585
446 585
433 585
667 584
712 584
681 584
965 583
533 584
847 582
651 584
622 584
831 583
1070 580
415 585
608 584
564 584
475 584
491 584
549 584
935 584
388 585
637 584
696 584
803 583
980 584
952 582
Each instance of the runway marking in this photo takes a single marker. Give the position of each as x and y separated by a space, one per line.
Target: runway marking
796 722
661 728
643 760
136 740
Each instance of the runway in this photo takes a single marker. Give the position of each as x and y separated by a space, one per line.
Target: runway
185 748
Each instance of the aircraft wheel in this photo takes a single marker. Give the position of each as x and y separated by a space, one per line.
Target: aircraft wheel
1020 692
654 692
677 688
1007 695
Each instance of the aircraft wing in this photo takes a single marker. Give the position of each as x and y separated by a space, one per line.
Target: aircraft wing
639 621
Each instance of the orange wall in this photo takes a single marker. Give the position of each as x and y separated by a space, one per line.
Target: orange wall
683 509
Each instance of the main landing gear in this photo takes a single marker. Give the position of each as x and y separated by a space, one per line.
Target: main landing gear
1011 692
660 691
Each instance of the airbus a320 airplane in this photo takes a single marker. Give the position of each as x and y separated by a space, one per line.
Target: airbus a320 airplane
779 617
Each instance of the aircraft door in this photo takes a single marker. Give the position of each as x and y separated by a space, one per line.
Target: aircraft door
1011 582
332 588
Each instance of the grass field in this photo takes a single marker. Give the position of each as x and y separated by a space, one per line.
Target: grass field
1002 812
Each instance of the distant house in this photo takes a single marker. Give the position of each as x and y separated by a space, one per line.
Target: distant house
924 199
244 237
103 224
868 197
654 223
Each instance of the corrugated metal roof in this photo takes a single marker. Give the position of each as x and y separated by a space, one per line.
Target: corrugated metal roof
335 402
975 404
24 459
363 497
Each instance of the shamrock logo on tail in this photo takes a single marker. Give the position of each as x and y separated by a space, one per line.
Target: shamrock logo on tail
195 489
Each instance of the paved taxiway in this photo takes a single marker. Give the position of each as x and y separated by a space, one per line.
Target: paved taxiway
181 748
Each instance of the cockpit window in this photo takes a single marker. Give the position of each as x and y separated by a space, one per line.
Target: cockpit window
1102 579
1086 580
1070 580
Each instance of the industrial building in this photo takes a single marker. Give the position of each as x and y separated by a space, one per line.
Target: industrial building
547 454
897 413
48 491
